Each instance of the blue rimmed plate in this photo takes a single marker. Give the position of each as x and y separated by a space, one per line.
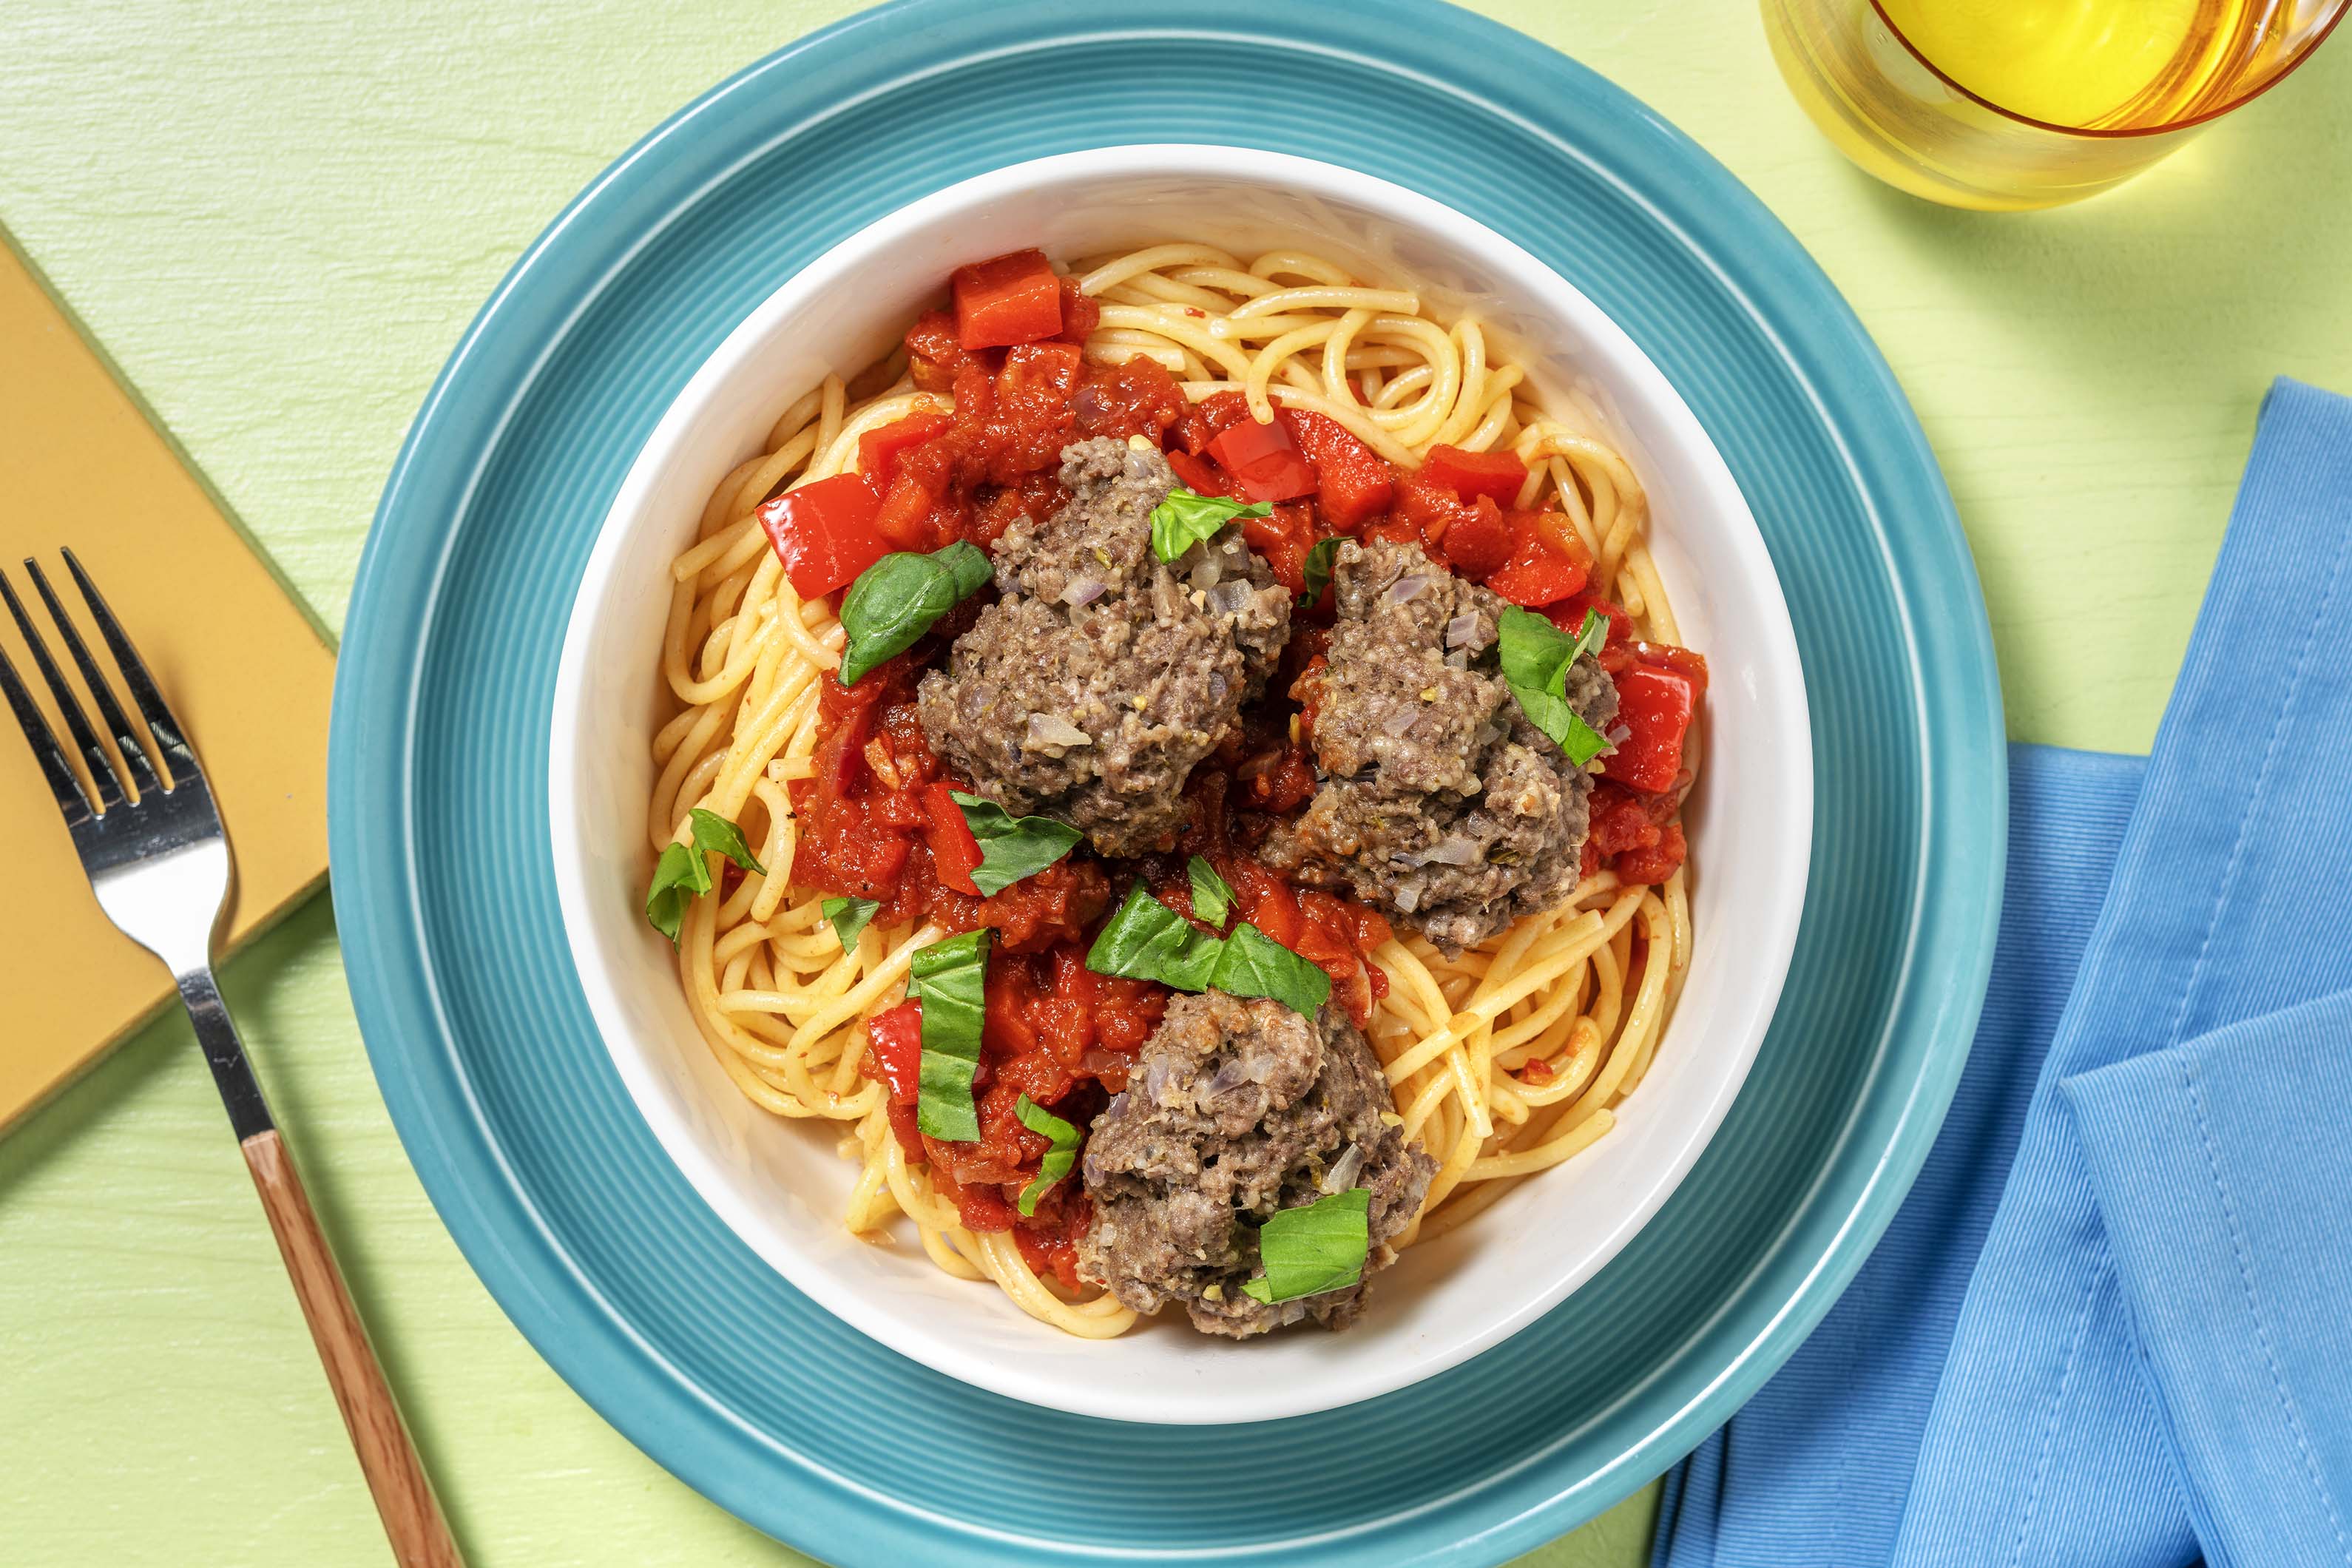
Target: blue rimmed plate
508 1105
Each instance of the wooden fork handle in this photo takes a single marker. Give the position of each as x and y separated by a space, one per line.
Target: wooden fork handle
411 1515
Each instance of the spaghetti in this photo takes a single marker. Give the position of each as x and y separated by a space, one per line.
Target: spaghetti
1504 1061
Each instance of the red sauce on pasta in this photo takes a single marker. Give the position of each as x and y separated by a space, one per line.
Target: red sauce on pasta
1055 1030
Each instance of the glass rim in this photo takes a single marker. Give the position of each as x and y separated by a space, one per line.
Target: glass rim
2309 47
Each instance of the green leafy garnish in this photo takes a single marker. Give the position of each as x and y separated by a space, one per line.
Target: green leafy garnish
1211 897
847 916
1184 519
1313 1248
895 601
1536 656
949 979
679 875
1058 1159
1317 572
1148 941
1253 963
1010 847
682 875
1590 636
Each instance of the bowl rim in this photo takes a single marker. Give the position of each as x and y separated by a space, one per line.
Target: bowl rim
1773 930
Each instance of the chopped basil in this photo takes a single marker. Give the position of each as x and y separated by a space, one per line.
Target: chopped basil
1590 635
847 916
1534 652
1058 1159
1010 847
1582 743
1313 1248
895 601
682 875
949 979
1536 656
1317 570
1252 963
1184 519
1211 897
679 875
1148 941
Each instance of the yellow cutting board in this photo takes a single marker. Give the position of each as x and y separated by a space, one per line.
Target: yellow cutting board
81 466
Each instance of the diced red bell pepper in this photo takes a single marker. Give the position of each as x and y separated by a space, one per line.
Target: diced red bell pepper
955 852
1265 463
879 451
1538 571
1656 705
1080 314
823 533
1198 475
896 1041
1569 617
1202 422
1006 300
1478 541
1353 482
1473 474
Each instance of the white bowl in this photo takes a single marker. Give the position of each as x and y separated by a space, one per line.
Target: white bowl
781 1186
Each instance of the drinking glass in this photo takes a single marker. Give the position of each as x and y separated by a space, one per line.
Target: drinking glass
2007 104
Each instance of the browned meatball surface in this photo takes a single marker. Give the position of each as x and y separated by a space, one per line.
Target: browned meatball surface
1439 801
1089 692
1238 1107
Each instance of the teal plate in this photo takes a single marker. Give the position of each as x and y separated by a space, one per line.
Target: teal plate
595 1245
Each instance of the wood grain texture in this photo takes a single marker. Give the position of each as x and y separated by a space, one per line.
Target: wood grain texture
279 219
396 1477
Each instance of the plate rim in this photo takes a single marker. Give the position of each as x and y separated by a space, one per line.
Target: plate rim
588 1341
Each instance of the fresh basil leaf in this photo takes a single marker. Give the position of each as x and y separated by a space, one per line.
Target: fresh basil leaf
1314 1248
679 875
1318 569
1252 963
1582 743
682 875
1058 1159
1211 897
966 565
949 979
720 836
1535 653
1184 519
1590 636
847 916
1536 656
1010 847
894 602
1146 940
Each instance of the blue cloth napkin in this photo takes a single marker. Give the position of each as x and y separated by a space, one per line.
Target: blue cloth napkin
2113 1323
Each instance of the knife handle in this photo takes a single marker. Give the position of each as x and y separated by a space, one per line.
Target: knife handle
403 1497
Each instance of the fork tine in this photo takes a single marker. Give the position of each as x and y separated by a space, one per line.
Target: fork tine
102 770
170 738
118 722
37 735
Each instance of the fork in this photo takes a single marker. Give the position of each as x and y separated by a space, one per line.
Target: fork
151 843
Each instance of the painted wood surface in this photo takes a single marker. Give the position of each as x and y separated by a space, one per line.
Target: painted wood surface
277 220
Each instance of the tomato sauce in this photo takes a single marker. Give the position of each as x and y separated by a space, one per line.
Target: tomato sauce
869 825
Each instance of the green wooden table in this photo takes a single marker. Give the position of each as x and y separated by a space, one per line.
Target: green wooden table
277 220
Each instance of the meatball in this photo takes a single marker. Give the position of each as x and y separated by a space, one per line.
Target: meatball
1090 691
1238 1107
1439 800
